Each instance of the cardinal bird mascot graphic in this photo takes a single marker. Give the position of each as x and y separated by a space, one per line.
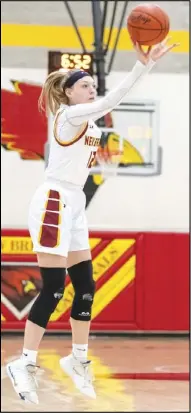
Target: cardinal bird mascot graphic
23 128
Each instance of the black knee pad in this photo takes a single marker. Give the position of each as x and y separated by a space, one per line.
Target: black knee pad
51 293
81 276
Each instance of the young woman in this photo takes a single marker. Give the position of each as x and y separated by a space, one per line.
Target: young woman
57 220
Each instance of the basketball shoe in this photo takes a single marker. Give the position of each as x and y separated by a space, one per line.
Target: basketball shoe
23 380
80 374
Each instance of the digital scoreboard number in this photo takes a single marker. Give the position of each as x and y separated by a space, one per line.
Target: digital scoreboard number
69 61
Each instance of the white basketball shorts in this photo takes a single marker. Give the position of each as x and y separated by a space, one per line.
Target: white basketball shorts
57 220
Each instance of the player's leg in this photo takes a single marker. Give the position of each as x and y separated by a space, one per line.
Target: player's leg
81 274
52 268
52 247
80 270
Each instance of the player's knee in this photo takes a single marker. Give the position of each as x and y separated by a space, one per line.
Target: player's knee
49 297
81 276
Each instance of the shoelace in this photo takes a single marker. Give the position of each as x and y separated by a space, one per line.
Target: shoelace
83 369
32 371
88 375
28 377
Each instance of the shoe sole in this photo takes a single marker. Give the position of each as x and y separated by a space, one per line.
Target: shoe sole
10 375
67 370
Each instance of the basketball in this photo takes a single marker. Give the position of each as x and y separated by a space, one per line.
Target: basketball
148 24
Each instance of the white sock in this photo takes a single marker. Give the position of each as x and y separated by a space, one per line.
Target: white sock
80 351
29 356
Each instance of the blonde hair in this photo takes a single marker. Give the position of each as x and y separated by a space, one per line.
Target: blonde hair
53 92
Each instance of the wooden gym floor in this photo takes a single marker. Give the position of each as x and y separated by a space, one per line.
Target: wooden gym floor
132 375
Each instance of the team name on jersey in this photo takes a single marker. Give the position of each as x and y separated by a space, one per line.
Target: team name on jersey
90 141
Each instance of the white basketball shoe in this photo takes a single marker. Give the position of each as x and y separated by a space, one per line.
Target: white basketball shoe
23 380
80 374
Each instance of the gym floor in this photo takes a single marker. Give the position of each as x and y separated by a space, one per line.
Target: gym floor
131 375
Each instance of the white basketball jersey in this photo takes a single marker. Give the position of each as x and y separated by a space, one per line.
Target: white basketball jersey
72 151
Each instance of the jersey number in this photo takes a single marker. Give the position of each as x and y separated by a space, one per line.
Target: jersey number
91 159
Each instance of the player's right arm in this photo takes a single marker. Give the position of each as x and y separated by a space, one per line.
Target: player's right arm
76 115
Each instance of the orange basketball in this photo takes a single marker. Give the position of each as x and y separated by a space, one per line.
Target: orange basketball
148 24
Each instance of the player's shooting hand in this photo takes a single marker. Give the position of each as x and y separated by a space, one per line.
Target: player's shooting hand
155 52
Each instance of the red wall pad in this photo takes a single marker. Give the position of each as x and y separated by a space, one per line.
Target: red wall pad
142 282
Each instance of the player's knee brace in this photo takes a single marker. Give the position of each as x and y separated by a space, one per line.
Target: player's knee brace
51 293
81 276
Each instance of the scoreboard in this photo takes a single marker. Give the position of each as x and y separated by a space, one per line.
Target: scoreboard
65 60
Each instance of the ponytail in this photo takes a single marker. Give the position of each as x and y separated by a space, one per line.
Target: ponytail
53 93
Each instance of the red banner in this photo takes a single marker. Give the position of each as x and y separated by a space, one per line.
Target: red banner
135 276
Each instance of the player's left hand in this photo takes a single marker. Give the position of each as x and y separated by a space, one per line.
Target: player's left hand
155 52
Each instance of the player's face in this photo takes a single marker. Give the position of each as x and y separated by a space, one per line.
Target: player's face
83 91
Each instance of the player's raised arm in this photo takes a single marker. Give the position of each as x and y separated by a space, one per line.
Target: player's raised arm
78 114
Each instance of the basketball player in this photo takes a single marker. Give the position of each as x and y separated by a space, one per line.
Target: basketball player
57 220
